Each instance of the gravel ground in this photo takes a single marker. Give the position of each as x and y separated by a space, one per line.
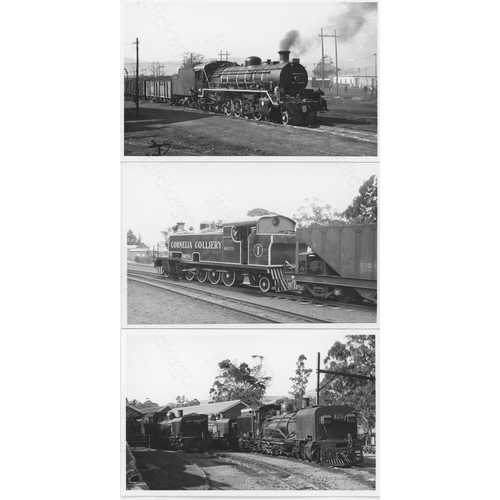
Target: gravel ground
195 132
151 306
147 305
169 470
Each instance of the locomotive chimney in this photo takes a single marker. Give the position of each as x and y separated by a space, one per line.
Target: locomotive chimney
284 56
204 225
180 226
305 402
180 413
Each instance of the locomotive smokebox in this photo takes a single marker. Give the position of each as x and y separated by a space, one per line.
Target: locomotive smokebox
305 402
284 56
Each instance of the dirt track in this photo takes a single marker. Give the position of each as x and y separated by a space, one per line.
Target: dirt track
169 470
348 129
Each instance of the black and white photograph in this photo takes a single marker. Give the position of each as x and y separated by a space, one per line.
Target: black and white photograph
249 244
249 413
250 78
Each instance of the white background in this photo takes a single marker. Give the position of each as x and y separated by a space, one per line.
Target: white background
61 212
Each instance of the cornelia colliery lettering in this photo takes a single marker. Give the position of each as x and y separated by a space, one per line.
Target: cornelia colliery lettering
268 251
271 90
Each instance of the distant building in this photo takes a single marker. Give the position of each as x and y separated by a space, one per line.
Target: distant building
356 80
228 409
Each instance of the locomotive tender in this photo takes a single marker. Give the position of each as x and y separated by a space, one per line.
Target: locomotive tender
270 252
247 90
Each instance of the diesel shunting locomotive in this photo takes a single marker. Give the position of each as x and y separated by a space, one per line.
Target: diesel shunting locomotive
271 90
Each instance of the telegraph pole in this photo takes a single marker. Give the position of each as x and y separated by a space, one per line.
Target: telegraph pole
375 68
323 58
225 54
137 77
336 63
322 62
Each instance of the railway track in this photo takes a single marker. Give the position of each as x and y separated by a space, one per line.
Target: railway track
280 474
290 296
267 314
359 135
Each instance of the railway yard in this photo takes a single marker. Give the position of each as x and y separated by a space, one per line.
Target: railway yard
153 299
171 470
349 128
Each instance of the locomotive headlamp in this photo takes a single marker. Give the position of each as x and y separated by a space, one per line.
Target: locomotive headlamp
276 221
304 109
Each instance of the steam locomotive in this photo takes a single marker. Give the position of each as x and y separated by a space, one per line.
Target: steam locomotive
273 90
336 261
326 435
183 433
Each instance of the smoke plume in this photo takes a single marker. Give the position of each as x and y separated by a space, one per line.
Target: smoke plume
352 18
292 40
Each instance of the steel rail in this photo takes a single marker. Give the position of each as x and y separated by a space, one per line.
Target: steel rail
176 288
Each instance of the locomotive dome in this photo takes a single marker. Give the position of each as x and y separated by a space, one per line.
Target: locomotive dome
253 61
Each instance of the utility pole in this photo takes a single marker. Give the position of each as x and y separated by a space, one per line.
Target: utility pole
375 68
336 374
323 58
225 54
323 68
336 62
137 77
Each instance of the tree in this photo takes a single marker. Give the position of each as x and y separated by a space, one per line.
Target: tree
315 213
300 380
132 239
182 401
190 59
172 229
240 382
329 68
363 209
257 212
156 69
356 356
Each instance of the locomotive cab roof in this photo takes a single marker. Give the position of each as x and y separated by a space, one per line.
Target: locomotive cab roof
265 223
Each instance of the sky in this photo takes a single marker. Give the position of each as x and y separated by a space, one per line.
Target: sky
167 29
156 196
161 365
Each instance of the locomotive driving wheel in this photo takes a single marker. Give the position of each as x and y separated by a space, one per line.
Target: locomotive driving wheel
257 113
166 272
265 284
229 277
247 110
285 118
201 275
214 277
190 275
237 108
227 107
